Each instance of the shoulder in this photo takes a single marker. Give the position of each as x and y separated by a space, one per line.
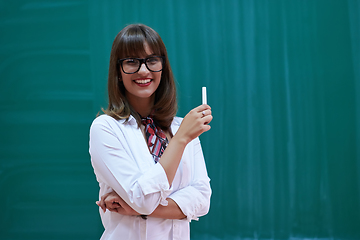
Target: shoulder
104 120
177 121
104 126
175 124
108 121
102 123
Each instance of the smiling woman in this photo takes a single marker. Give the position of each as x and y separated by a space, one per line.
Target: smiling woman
148 162
140 81
139 41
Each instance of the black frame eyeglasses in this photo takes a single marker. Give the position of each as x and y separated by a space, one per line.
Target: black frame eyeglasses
133 65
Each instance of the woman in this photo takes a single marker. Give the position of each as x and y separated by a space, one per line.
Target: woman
149 163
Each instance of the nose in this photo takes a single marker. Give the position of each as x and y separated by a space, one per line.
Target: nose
143 69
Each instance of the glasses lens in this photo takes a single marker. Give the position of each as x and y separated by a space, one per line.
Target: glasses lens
130 65
154 64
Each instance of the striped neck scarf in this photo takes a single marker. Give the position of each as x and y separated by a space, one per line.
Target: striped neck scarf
155 138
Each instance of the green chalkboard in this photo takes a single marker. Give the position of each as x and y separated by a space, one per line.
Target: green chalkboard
283 81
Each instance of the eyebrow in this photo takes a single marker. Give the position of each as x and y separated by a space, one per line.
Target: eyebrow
151 55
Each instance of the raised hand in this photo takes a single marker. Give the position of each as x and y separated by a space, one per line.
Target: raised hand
195 123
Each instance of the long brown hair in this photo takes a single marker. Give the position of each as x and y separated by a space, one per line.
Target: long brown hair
129 42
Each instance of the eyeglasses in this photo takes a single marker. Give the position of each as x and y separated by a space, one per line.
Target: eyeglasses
132 65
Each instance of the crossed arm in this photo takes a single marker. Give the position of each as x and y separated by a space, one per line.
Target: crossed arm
114 203
191 127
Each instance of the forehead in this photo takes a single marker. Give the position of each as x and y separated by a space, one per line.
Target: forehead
137 49
147 51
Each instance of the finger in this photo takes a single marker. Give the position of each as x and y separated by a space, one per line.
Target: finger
113 199
102 205
206 112
103 197
207 120
113 204
207 128
98 203
202 108
114 209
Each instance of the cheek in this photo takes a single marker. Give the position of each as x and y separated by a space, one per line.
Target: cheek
126 81
158 76
122 76
125 77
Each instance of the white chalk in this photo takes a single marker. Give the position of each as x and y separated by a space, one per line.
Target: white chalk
204 99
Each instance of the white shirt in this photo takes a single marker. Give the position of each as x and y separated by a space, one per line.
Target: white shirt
122 162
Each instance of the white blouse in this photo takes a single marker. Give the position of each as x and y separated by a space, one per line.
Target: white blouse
122 162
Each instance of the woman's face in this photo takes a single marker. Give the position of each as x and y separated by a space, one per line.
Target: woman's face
141 86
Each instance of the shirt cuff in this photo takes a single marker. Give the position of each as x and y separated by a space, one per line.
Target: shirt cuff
190 206
155 180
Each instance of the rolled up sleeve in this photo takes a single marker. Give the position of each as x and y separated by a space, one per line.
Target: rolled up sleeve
149 183
194 199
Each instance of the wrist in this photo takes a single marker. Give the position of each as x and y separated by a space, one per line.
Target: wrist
181 140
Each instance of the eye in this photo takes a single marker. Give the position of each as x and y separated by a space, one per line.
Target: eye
131 61
153 60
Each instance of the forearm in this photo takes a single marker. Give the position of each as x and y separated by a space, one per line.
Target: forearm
171 211
194 124
172 156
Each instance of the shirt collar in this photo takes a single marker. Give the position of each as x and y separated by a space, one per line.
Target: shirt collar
132 120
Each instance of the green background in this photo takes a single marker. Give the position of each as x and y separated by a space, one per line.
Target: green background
283 81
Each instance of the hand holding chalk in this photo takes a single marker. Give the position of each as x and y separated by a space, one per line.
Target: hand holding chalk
196 121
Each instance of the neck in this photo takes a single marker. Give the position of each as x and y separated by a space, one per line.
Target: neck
142 106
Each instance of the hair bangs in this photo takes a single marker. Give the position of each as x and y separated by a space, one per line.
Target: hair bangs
132 44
